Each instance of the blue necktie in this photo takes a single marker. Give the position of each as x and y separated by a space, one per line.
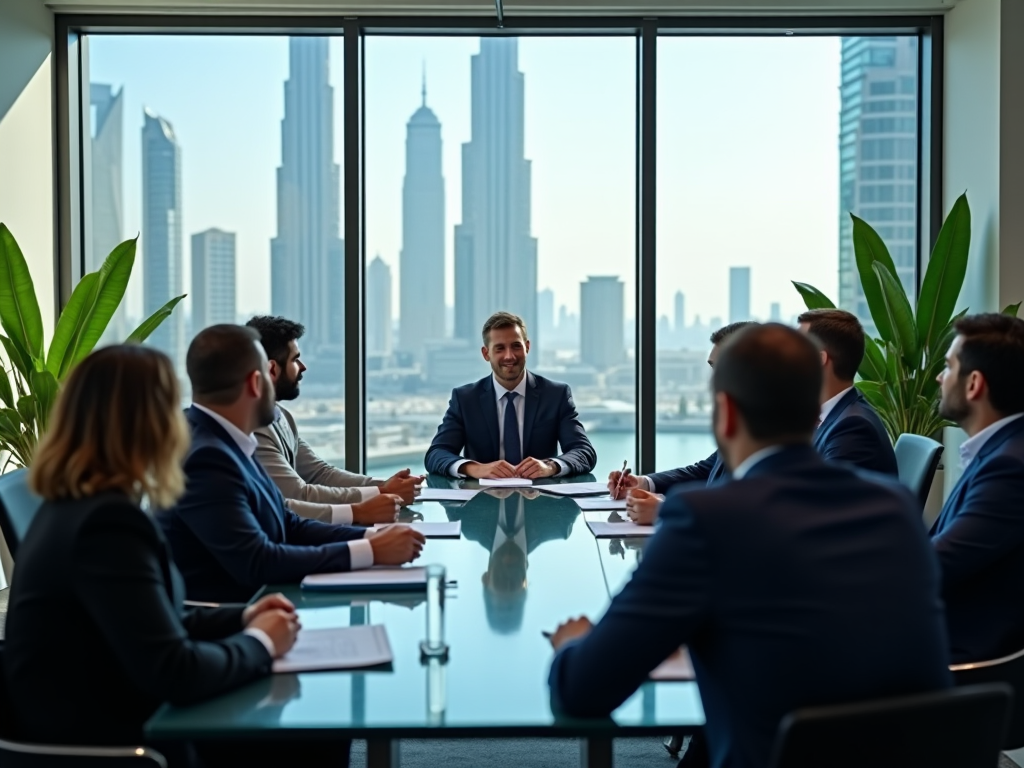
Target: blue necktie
513 448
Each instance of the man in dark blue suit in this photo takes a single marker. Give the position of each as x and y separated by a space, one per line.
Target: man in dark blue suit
511 423
648 491
798 583
979 535
849 430
231 533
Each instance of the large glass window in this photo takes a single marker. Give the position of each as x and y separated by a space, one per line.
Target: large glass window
500 175
222 153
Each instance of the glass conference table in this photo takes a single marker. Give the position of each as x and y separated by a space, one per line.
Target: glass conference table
494 685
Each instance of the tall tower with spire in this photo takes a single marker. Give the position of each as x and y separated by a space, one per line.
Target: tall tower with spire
421 302
495 254
307 256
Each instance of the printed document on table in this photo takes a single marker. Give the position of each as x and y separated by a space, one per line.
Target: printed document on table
505 482
574 489
446 494
337 648
613 526
449 530
590 505
678 666
380 577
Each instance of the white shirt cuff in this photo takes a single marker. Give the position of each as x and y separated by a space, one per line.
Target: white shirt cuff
360 553
643 482
454 471
563 468
263 637
341 514
368 491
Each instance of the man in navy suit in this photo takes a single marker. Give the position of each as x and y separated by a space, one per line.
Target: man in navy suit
511 423
979 535
798 583
849 429
648 491
231 533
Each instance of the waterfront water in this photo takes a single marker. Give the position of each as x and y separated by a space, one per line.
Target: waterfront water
674 449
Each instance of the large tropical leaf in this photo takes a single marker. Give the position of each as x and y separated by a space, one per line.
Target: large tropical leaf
872 367
6 394
152 322
18 356
900 316
87 313
1012 309
813 298
19 309
44 389
944 276
868 248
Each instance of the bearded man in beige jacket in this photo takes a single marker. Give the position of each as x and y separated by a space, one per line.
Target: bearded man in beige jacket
313 487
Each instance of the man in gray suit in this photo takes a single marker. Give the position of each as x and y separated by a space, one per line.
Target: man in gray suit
306 480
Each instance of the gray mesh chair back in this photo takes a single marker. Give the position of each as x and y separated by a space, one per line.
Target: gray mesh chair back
917 458
18 507
946 729
1009 670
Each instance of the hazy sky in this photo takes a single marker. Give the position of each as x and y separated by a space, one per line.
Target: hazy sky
747 153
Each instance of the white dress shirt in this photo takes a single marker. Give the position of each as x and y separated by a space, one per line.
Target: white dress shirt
520 405
973 445
830 404
360 552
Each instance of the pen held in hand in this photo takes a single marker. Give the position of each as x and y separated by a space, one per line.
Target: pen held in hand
547 634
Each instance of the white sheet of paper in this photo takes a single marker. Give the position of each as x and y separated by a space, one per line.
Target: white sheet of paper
337 648
574 489
378 577
505 482
449 530
678 666
446 494
619 528
595 504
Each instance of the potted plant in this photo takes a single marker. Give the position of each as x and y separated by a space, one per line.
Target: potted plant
31 376
898 375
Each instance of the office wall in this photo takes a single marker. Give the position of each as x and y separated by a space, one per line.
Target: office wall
27 147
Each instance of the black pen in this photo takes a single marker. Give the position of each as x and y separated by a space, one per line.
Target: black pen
547 634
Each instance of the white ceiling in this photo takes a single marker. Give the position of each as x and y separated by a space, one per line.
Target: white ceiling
511 7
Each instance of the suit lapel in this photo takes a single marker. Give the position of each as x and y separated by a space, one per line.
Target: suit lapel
844 402
532 405
489 413
280 429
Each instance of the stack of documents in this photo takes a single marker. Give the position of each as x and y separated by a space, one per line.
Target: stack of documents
378 578
616 528
505 482
678 666
338 648
446 494
450 530
574 489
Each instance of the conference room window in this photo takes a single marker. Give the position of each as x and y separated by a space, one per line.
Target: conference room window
765 147
500 174
222 154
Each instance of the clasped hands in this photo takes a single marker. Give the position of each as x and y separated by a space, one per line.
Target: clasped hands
275 616
528 468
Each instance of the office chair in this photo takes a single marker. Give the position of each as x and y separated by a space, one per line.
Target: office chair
18 506
917 458
944 729
1009 670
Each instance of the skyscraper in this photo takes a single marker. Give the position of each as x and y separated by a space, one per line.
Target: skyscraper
107 186
161 232
421 300
378 307
602 317
878 157
495 255
680 312
307 256
775 313
739 294
213 279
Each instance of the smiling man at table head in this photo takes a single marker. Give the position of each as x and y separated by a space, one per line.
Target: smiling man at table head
798 583
511 423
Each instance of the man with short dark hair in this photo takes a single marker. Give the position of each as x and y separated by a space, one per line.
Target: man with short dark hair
644 493
798 583
511 423
979 535
849 429
295 468
231 533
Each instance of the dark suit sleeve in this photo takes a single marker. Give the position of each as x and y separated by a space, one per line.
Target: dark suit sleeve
120 581
853 440
577 450
666 603
203 623
988 526
216 507
446 447
662 482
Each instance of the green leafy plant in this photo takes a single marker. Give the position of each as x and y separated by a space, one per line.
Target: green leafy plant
898 374
31 376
